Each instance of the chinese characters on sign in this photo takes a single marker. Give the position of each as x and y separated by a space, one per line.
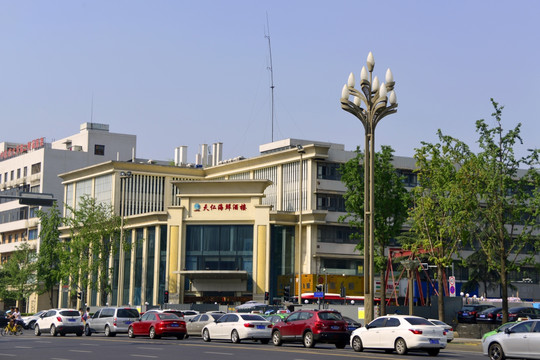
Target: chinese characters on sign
22 148
220 207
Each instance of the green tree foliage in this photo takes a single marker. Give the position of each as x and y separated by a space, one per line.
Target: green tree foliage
18 273
49 263
442 204
509 200
94 237
391 199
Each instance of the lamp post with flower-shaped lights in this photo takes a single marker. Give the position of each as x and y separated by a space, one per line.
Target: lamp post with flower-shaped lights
370 104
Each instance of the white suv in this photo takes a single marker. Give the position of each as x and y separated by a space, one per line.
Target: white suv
60 321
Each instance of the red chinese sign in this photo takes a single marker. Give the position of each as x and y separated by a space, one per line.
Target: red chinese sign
22 148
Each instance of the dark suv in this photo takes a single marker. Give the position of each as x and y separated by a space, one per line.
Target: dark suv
310 327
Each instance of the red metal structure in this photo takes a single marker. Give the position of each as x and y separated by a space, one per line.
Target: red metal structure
396 253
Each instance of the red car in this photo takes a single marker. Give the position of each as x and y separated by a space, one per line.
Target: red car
310 327
158 324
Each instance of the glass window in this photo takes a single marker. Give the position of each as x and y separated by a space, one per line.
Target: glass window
378 322
36 168
99 149
392 322
103 189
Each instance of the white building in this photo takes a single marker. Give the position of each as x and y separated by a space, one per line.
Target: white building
34 167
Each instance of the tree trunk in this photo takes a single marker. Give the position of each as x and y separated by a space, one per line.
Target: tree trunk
440 300
504 288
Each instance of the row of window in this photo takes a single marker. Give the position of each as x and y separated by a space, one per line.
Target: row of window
20 236
21 172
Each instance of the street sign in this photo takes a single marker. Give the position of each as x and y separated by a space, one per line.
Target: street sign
452 285
318 294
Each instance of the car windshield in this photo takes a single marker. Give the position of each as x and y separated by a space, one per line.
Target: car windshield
330 316
418 321
70 313
128 313
216 316
253 317
177 313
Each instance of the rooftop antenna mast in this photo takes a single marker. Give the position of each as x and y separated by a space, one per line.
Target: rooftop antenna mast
271 72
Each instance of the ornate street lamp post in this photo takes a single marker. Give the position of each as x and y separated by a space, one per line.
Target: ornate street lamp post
370 104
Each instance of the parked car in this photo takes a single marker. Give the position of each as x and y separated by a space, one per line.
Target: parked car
400 333
311 327
467 314
59 321
498 330
351 324
522 340
29 321
521 312
274 318
237 327
111 321
449 330
487 316
157 324
190 314
195 325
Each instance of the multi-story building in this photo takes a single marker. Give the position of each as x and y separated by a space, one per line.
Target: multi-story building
34 167
228 230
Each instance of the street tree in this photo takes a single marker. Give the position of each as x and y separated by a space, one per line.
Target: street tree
18 280
440 215
94 237
509 200
49 261
391 200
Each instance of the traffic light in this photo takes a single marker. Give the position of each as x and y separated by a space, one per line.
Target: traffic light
79 295
266 296
166 297
320 287
287 292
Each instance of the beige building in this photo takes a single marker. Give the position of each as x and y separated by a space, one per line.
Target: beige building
227 231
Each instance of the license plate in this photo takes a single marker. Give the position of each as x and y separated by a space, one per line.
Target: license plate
334 327
261 327
127 322
71 320
175 325
433 341
482 316
465 313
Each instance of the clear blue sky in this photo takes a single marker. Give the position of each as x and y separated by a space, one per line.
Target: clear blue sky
192 72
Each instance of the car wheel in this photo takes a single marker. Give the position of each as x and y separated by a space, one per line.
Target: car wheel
276 338
235 338
356 344
308 339
401 346
37 332
53 330
495 352
107 331
265 341
87 331
186 336
433 352
153 334
32 325
62 334
79 333
131 334
340 345
180 337
206 335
